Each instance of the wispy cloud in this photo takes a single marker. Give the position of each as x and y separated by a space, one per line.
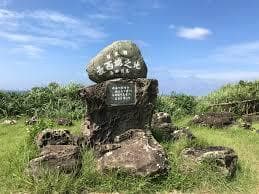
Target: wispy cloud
195 33
28 50
110 9
228 76
45 27
246 53
100 16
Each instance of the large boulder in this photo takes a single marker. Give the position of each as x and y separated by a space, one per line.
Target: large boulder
225 158
121 59
54 137
108 117
137 153
214 119
64 158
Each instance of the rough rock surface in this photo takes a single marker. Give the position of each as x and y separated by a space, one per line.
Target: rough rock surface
64 122
103 122
225 158
31 121
214 119
121 59
140 154
65 158
172 133
246 125
54 137
9 122
179 133
161 120
251 117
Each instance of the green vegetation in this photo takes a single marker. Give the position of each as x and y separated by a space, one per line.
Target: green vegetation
17 146
51 101
177 105
17 149
241 98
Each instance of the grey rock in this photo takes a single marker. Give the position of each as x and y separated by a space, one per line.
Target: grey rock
9 122
140 155
180 133
121 59
161 120
64 158
31 121
225 158
172 133
214 119
64 122
104 122
54 137
246 125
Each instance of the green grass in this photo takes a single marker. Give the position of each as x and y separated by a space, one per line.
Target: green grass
15 154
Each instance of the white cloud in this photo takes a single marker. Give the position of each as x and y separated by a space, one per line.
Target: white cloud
228 76
100 16
246 53
47 28
29 50
195 33
39 40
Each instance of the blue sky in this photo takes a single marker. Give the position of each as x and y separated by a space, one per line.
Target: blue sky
191 46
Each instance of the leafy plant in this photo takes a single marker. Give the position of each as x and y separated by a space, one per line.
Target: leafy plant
51 101
176 105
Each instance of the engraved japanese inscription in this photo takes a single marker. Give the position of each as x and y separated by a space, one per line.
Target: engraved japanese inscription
121 93
119 65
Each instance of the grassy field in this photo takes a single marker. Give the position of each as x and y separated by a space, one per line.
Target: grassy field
15 154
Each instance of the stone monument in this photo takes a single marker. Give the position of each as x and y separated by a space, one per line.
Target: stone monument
119 111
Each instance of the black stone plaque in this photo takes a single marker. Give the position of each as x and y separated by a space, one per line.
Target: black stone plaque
121 93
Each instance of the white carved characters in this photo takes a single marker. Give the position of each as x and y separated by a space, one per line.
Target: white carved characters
121 93
118 65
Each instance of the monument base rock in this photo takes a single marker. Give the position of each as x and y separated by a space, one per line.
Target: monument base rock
139 154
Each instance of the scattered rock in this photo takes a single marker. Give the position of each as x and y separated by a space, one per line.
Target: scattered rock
225 158
64 158
246 125
214 119
9 122
251 117
64 122
121 59
161 120
54 137
31 121
180 133
172 133
140 155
